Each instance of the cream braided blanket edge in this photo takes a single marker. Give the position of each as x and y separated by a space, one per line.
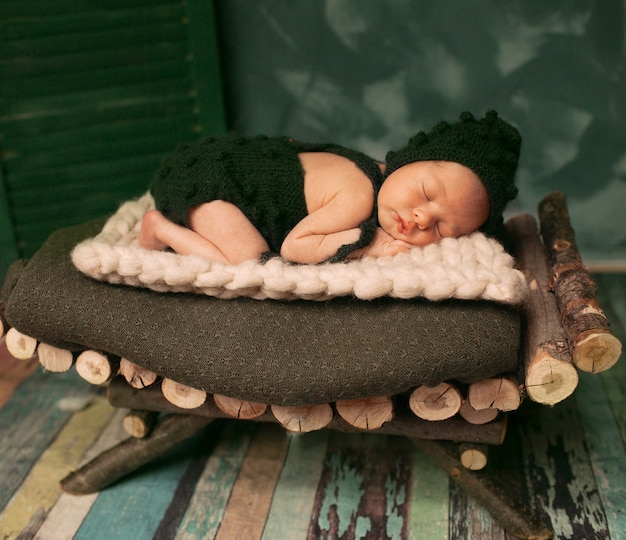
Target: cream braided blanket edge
471 267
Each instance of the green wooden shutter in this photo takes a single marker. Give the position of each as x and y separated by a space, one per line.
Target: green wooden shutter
92 95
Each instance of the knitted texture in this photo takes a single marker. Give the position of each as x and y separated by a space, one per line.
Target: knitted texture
262 176
469 267
489 146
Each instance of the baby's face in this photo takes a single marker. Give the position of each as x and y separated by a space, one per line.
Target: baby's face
423 202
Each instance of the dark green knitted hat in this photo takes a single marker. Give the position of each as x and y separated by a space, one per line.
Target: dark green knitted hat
489 146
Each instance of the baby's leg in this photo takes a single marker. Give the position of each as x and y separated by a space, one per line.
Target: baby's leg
229 230
158 232
218 231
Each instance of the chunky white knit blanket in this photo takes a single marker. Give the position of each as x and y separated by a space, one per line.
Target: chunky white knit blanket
469 267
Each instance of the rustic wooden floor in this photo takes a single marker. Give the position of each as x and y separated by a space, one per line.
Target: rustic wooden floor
238 480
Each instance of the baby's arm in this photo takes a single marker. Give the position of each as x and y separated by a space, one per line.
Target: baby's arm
336 223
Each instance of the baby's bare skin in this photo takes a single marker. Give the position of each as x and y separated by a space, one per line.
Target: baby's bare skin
418 204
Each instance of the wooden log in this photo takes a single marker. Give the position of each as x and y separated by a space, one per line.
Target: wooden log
136 376
477 417
131 454
366 413
435 402
404 422
96 367
550 375
501 393
494 495
20 345
473 456
303 418
593 346
238 408
181 395
138 424
55 359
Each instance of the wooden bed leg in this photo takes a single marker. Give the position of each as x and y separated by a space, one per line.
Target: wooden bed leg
593 345
550 376
131 454
516 519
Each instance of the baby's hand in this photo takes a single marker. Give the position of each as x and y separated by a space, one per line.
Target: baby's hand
384 244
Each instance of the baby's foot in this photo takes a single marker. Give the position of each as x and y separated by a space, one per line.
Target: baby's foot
152 224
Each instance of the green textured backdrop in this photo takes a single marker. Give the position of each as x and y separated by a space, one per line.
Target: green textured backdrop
92 94
370 73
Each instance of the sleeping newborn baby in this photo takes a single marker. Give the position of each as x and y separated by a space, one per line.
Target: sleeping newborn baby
236 198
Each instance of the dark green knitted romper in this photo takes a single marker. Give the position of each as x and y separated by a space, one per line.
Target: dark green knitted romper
262 176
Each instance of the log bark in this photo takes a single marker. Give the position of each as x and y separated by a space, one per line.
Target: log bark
136 376
303 418
501 393
131 454
550 375
473 456
477 417
96 367
181 395
366 413
139 424
404 422
495 496
20 345
435 402
238 408
55 359
593 346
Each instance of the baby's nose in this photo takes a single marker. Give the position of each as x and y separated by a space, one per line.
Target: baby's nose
422 218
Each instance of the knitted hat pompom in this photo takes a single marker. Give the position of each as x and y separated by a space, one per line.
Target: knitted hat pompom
490 147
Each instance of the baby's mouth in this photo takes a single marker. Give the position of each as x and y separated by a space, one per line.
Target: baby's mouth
403 226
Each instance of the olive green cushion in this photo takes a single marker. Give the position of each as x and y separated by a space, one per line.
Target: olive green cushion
268 351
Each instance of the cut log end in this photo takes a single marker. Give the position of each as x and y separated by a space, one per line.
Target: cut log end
551 380
139 424
473 457
137 376
303 418
596 352
238 408
501 393
435 403
55 359
20 345
181 395
477 417
366 413
95 367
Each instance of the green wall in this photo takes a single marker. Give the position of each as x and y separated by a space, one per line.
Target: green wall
93 94
370 73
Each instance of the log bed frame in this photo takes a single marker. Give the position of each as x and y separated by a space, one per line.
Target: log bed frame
564 330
